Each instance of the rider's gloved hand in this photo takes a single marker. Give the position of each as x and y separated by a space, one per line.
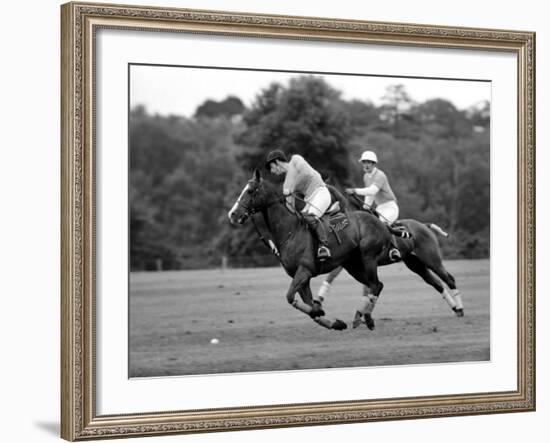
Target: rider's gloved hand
350 191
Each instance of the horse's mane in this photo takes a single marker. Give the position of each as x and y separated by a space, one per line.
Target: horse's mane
271 188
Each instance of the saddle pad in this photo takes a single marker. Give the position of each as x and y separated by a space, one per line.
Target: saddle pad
338 222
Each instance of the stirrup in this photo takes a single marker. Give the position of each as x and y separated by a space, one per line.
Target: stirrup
394 254
323 253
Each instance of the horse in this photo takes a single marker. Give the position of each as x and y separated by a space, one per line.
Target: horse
421 254
367 243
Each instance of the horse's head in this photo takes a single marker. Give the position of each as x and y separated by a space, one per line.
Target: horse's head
253 198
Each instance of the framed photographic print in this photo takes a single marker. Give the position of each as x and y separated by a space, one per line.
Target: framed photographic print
277 221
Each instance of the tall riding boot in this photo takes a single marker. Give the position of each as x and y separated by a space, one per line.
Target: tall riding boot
317 227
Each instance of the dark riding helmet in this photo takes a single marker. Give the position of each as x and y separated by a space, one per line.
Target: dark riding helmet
274 155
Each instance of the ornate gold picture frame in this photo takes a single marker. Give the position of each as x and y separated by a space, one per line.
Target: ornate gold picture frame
80 419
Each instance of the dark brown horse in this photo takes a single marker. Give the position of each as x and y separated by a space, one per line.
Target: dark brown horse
367 243
420 253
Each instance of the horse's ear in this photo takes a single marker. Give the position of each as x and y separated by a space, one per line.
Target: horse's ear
257 175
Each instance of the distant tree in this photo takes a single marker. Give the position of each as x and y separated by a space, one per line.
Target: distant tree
453 149
362 113
442 119
179 174
396 106
226 108
185 174
308 117
480 115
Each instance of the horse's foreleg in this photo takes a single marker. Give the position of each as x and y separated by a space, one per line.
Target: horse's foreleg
300 283
316 312
301 278
365 308
371 292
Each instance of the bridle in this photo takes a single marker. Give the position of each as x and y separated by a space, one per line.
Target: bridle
249 211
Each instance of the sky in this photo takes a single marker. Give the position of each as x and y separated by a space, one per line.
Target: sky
168 90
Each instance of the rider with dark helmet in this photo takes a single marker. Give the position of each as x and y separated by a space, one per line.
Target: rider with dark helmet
301 177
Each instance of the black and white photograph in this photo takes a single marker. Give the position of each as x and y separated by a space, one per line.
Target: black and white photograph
229 221
287 220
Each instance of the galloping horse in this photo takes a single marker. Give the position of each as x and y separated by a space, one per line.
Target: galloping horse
421 254
367 245
370 241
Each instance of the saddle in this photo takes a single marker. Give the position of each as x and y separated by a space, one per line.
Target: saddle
336 224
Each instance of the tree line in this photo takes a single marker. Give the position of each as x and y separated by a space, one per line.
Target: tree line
185 173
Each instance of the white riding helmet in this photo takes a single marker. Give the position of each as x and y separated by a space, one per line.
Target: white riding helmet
368 156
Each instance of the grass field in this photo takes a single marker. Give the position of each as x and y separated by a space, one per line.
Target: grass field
174 315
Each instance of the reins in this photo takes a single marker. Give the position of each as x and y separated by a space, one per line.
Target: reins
304 201
267 242
279 199
391 226
368 208
250 211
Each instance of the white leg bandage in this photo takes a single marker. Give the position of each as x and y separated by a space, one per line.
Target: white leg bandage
323 291
449 298
367 303
457 298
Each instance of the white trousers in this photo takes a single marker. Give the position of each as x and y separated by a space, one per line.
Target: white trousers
389 212
318 202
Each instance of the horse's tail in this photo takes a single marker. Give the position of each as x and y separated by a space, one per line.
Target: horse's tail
437 229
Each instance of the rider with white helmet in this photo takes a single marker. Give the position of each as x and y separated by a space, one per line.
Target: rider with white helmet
377 190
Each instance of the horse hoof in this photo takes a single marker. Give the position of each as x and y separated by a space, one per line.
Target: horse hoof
369 322
317 310
459 312
339 325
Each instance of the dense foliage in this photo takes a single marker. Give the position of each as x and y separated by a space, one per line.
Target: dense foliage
186 173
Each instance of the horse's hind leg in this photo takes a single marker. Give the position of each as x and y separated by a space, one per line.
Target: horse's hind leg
416 265
449 280
366 273
428 252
